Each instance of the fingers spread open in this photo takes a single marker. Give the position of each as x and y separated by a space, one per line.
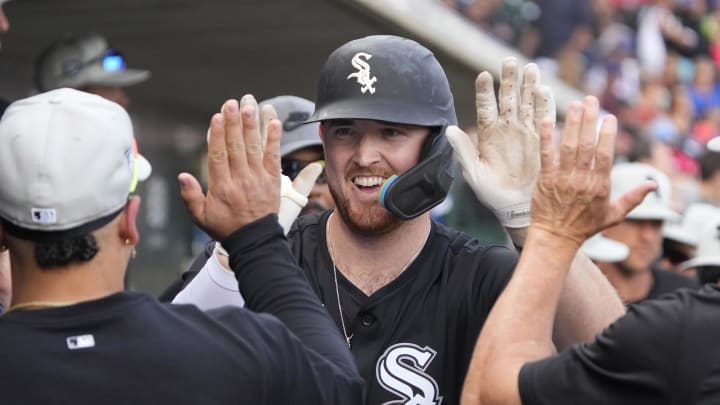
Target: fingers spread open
530 81
630 200
485 103
588 134
570 135
217 158
508 93
605 150
271 156
266 114
234 141
192 195
544 106
547 146
251 131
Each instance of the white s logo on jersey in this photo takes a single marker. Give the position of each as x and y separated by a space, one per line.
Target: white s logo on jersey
401 370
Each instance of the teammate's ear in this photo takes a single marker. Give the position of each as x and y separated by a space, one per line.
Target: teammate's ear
321 129
128 228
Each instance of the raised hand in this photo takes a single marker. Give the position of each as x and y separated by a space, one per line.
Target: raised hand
243 177
293 194
572 195
501 162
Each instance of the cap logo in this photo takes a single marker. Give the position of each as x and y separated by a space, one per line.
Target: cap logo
363 72
295 119
44 216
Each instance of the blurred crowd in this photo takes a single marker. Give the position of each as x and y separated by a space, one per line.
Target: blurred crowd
653 63
328 279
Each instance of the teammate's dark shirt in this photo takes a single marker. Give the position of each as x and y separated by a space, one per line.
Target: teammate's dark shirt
665 281
414 337
662 351
128 348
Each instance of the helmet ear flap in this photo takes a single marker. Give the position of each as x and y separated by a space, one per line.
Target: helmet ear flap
423 186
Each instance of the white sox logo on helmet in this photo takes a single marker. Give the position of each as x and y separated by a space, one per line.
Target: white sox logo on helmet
363 72
401 370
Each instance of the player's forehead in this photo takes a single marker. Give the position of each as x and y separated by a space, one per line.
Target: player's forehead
348 122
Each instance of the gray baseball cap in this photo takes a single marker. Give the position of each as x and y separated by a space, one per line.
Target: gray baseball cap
77 61
603 249
695 217
68 161
657 204
293 111
708 248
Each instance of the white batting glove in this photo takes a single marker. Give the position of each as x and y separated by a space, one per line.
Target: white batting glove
293 195
502 161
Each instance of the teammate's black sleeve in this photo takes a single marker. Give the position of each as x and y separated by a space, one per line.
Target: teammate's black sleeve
271 282
282 368
640 359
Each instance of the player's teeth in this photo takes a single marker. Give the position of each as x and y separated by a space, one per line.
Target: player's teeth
370 181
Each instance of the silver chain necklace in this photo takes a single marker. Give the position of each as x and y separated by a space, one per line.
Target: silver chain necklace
348 338
342 319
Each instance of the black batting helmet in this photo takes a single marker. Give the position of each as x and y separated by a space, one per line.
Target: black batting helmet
384 78
394 79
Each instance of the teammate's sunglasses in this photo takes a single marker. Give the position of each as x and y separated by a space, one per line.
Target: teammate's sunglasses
292 167
113 61
110 60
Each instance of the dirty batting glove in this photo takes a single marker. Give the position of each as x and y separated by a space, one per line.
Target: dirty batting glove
502 160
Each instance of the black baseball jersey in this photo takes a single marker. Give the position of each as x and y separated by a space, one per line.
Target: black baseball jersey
128 348
662 351
412 339
666 281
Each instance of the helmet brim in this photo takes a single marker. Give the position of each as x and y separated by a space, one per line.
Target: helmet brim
381 110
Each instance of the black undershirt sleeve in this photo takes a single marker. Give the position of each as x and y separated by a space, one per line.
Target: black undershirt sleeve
271 281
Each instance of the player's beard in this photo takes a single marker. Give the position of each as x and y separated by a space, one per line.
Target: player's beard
637 263
365 218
